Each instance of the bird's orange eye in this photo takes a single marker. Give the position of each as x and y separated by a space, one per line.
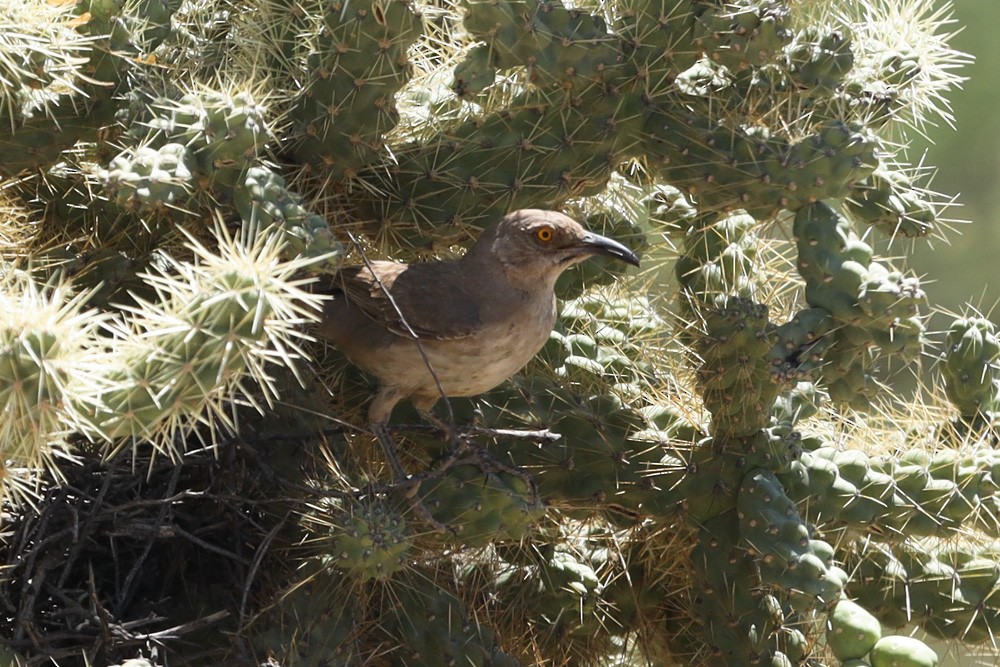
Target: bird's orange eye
544 234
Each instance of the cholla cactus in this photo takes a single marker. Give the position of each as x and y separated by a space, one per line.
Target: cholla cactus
705 465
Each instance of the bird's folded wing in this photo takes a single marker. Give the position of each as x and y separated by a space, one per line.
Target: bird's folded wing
429 297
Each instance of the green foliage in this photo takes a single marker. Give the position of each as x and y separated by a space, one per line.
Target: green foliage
704 465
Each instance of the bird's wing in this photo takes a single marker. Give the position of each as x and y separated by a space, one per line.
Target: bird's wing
429 296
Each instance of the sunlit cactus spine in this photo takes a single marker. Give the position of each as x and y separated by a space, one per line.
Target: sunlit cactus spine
155 371
51 357
705 465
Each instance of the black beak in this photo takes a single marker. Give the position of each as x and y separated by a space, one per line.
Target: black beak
596 244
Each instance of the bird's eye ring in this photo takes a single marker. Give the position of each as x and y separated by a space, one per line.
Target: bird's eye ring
544 234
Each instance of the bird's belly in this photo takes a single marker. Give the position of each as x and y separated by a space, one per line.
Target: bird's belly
482 365
464 366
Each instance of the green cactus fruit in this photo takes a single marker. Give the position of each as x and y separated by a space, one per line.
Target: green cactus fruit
889 200
899 651
851 631
971 367
222 132
482 505
263 200
369 538
152 179
197 145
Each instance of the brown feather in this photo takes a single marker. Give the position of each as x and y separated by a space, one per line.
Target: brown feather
416 291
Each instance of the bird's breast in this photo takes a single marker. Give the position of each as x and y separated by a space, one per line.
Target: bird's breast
503 346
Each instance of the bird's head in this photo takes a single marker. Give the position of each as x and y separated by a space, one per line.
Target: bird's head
532 244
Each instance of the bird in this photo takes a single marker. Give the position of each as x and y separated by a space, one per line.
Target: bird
456 327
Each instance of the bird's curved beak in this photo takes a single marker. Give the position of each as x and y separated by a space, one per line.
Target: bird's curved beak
595 244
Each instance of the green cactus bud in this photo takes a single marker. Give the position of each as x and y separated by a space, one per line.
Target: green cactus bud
482 505
264 200
890 200
369 538
152 179
851 631
898 651
972 378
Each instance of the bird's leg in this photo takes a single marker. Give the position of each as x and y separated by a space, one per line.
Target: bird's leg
409 484
378 414
389 449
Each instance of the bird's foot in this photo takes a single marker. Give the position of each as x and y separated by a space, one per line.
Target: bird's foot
449 429
408 485
488 462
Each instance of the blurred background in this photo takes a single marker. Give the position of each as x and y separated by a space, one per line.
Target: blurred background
964 268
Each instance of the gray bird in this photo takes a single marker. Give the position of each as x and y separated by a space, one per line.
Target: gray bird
474 321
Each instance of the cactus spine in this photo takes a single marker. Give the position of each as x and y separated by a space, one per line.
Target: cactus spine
674 480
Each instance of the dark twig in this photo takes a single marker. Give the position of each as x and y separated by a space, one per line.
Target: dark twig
258 558
125 592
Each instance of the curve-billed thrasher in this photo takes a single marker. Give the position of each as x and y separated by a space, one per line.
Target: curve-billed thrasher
457 327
